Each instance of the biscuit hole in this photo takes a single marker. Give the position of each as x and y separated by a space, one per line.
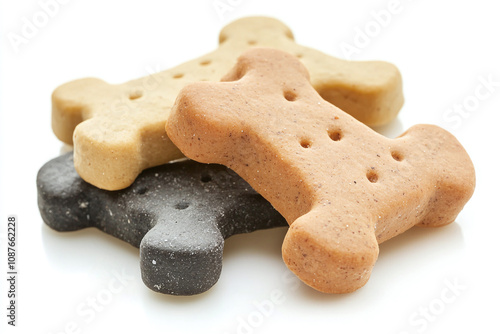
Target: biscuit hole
299 55
372 176
206 178
252 42
290 96
205 62
142 190
178 75
335 135
397 156
135 95
305 143
182 205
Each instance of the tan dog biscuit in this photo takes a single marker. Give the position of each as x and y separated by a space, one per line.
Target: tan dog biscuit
342 187
120 128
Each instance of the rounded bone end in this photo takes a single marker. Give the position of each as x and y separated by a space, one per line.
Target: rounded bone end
252 28
69 104
326 262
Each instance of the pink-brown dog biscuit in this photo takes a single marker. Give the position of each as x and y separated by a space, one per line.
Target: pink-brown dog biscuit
118 130
342 187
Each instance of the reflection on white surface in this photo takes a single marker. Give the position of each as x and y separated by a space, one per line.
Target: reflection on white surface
255 288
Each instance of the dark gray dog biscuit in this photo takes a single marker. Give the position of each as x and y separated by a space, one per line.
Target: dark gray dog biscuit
177 214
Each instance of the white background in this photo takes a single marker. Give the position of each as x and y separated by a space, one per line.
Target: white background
445 51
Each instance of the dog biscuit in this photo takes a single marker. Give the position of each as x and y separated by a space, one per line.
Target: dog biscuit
178 215
342 187
118 130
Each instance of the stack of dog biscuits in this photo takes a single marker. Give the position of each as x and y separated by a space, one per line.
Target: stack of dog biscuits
119 130
290 125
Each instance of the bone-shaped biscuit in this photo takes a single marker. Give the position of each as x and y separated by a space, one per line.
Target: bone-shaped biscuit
177 214
118 130
342 187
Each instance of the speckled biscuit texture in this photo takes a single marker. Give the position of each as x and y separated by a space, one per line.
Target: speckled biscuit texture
118 130
177 214
342 187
